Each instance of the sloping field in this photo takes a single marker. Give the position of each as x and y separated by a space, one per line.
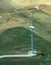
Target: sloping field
45 8
15 36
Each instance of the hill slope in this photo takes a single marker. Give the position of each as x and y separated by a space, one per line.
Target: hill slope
42 22
15 35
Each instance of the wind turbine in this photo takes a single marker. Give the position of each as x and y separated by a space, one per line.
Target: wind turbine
32 37
30 53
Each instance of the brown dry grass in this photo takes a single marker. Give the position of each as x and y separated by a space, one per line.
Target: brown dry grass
16 22
46 9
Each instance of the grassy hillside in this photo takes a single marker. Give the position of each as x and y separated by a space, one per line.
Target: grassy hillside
15 36
42 22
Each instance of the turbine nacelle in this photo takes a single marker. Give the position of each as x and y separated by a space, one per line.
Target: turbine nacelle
32 27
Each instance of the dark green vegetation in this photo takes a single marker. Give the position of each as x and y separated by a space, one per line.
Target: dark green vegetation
18 39
11 38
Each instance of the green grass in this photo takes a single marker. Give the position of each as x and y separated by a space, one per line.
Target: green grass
43 24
